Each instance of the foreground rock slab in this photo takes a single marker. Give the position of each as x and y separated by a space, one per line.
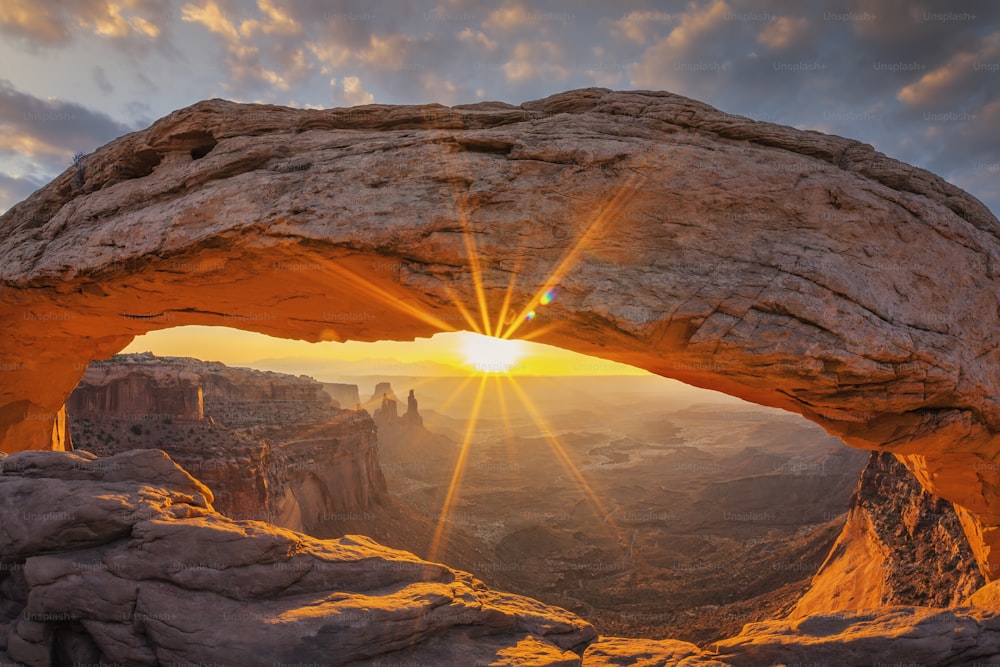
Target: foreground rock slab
619 652
123 559
956 637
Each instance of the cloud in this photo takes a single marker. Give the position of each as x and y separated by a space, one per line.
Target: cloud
783 31
101 80
639 26
131 25
696 54
210 16
353 92
38 139
242 55
330 54
511 16
33 22
33 128
14 189
477 37
951 82
695 25
536 60
278 21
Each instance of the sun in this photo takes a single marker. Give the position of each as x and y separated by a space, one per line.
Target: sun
487 354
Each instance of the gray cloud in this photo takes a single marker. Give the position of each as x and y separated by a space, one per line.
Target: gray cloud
889 72
54 127
101 80
39 137
13 190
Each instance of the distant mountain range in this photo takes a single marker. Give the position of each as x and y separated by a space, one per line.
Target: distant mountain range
336 369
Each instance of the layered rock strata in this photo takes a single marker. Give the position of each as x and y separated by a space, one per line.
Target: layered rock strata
787 267
271 447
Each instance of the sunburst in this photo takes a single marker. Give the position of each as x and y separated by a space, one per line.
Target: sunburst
492 351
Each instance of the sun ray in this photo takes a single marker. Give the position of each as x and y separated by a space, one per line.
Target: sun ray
508 295
454 395
469 319
508 429
463 213
386 298
540 331
437 542
477 275
567 463
607 212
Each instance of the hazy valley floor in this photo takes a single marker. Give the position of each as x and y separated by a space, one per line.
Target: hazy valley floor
646 516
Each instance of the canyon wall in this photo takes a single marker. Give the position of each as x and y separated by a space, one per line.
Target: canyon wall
899 546
346 395
789 268
271 446
136 389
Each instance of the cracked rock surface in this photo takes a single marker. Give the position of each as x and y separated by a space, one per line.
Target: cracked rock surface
786 267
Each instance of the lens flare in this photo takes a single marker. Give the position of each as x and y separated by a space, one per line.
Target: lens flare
530 316
547 297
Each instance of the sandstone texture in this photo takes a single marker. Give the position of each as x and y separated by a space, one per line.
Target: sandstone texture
899 546
787 267
272 447
124 559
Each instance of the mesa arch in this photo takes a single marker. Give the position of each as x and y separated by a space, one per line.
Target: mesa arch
789 268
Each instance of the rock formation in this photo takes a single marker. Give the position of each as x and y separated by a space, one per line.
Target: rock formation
770 263
387 411
345 395
272 447
128 389
382 391
124 560
899 546
384 406
412 415
246 397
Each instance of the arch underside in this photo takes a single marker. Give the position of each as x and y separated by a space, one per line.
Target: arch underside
788 268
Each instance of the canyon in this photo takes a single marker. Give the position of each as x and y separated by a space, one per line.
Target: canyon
272 447
789 268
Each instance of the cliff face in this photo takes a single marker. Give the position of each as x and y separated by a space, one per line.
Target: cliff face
133 388
899 546
245 397
124 560
328 473
271 446
345 395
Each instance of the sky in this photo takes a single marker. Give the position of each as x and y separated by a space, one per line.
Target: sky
450 354
918 79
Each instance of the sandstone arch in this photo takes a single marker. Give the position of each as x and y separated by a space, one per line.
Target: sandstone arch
789 268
